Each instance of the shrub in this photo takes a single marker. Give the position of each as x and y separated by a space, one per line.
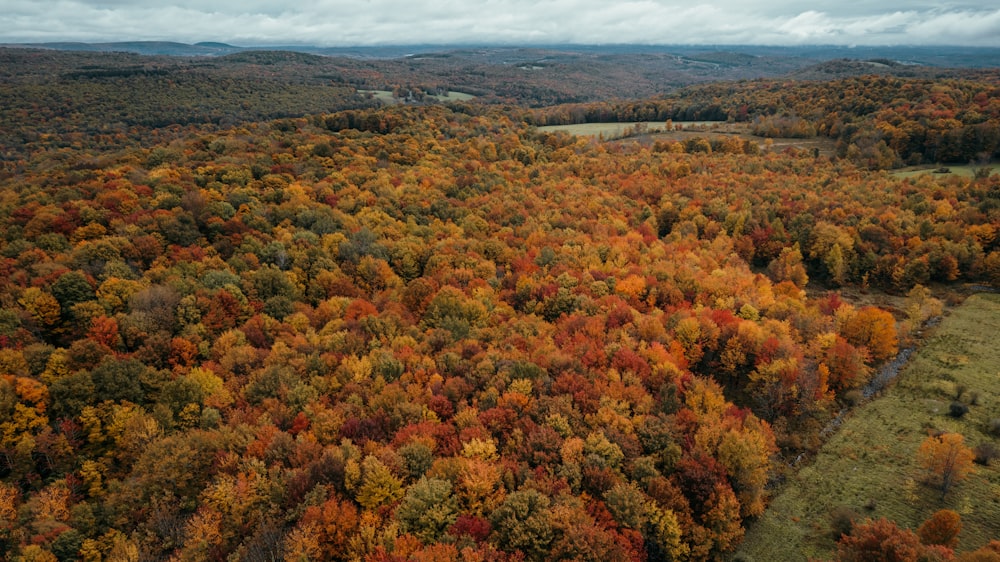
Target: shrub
959 391
957 409
880 539
941 528
985 453
994 427
842 520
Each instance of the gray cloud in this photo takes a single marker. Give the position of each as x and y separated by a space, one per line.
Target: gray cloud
399 22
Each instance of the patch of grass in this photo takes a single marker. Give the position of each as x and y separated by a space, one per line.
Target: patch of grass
681 131
870 465
455 96
963 170
386 97
616 130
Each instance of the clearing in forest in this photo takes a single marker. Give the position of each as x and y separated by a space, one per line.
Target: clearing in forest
963 170
870 465
612 130
681 131
388 98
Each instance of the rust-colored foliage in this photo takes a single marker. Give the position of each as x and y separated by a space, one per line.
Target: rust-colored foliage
879 540
941 528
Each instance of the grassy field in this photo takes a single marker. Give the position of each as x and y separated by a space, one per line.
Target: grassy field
686 129
455 96
683 130
869 465
386 97
963 170
613 130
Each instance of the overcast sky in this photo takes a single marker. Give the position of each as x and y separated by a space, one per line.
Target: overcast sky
404 22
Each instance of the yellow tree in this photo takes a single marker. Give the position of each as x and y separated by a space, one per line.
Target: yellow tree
303 544
745 452
9 497
379 486
788 267
43 307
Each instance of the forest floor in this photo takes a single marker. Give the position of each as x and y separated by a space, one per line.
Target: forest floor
870 464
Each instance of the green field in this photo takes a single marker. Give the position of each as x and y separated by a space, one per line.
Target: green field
869 464
613 130
385 96
963 170
684 130
455 96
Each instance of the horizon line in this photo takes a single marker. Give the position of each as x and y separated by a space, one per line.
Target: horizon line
207 43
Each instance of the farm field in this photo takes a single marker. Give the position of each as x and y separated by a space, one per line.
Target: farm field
961 170
684 130
612 129
385 96
870 464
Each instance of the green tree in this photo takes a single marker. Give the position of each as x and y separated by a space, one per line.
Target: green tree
633 509
43 307
119 380
522 523
70 394
269 282
72 288
428 509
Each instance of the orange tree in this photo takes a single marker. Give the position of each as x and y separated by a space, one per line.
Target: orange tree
946 459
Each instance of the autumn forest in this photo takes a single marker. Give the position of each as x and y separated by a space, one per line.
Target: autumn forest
263 317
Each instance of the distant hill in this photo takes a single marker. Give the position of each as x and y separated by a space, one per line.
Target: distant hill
273 57
843 68
533 76
722 55
168 48
214 45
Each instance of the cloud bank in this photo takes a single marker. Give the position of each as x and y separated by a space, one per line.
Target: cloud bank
401 22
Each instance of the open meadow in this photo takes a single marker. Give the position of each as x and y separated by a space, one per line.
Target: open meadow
387 97
611 130
961 170
680 131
